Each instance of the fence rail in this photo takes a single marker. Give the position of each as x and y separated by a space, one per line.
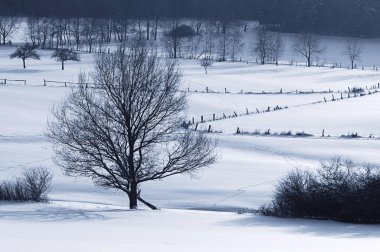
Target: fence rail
66 83
7 81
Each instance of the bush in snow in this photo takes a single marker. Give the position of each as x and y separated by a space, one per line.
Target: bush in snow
33 185
339 190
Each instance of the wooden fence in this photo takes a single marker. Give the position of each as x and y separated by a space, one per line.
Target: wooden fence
9 81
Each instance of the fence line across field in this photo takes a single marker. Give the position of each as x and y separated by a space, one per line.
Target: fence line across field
209 90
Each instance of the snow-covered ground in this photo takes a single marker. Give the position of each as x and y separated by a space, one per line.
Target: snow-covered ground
199 213
112 228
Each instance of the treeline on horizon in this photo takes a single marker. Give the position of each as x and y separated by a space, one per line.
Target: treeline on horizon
330 17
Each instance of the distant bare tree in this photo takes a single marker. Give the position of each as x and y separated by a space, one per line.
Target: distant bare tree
353 49
263 45
209 38
174 37
76 31
198 26
224 37
26 51
309 46
90 31
236 43
8 25
277 47
33 30
205 63
62 55
127 130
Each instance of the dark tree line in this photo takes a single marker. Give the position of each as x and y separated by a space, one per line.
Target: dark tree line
338 17
342 17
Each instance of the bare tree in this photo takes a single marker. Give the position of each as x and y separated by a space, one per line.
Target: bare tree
236 43
174 37
63 54
90 32
224 44
353 49
263 45
127 129
8 25
26 51
76 31
277 48
33 30
205 63
309 46
209 41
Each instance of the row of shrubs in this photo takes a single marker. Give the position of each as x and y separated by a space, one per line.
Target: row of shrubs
340 190
32 185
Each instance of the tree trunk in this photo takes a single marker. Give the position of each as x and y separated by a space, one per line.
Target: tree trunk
133 195
23 63
155 29
147 29
352 64
63 66
309 62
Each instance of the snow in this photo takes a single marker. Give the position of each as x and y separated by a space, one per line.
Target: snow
100 228
343 117
198 213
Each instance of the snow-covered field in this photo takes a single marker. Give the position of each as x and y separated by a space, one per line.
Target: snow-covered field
199 213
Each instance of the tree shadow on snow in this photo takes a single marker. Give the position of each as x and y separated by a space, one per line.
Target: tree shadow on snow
310 227
48 213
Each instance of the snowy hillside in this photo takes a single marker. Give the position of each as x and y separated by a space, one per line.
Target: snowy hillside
199 213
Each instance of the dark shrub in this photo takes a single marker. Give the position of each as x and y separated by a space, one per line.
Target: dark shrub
339 190
33 185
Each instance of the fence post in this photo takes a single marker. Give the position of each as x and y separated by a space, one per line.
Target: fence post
323 133
201 119
44 82
5 81
238 130
213 117
196 127
209 128
247 111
